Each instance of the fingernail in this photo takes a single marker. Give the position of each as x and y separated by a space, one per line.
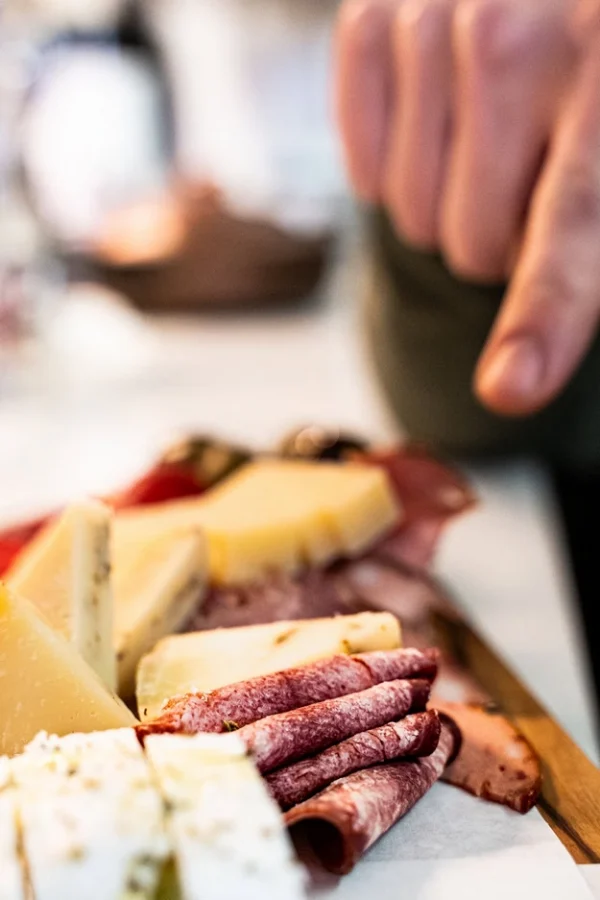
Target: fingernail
514 373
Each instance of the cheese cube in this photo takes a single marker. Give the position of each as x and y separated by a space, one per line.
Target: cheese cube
205 660
91 817
65 572
279 515
44 683
228 834
158 583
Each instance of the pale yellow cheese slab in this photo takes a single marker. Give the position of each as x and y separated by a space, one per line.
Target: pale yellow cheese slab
65 572
44 684
278 515
205 660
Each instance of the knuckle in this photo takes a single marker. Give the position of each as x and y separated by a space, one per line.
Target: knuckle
362 22
495 35
421 22
416 227
577 204
471 262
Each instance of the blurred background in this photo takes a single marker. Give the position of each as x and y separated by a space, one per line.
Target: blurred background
174 225
144 143
179 252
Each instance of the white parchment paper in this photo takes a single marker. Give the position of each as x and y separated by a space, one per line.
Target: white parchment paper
452 846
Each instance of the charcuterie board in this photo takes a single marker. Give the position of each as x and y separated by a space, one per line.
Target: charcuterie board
285 597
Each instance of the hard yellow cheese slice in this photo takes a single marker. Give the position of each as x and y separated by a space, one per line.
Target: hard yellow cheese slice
205 660
158 583
279 515
65 572
44 682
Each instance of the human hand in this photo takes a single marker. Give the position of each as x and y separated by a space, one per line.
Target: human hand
476 123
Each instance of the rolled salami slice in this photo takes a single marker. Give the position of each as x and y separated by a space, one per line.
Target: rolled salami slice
244 702
345 819
283 738
415 735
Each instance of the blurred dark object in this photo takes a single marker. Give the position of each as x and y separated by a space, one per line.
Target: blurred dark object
208 458
579 498
314 442
205 256
427 329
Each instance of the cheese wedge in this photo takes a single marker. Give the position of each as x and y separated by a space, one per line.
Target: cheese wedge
278 515
65 572
158 583
227 832
91 817
205 660
11 878
44 682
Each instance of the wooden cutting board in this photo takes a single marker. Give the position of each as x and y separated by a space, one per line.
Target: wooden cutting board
570 800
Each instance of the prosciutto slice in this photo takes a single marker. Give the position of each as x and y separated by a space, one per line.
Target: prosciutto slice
431 494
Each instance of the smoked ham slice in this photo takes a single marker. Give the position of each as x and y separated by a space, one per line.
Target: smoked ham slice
494 761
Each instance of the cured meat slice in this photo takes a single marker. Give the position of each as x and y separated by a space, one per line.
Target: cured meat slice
415 735
283 738
431 494
346 818
244 702
494 761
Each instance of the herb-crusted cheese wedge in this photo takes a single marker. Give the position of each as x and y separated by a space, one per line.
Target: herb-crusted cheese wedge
65 572
205 660
91 817
11 877
157 585
227 832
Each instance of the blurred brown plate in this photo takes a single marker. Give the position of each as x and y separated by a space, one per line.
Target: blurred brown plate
189 252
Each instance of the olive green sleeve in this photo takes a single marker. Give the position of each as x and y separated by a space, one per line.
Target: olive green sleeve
426 331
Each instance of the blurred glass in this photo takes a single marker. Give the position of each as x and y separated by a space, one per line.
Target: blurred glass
252 96
29 275
181 151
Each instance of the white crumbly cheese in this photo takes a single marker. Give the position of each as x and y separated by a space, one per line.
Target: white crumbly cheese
91 817
11 878
227 832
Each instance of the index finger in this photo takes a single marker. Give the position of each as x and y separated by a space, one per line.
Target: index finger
551 311
363 87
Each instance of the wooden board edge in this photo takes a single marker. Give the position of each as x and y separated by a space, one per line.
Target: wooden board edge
570 800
